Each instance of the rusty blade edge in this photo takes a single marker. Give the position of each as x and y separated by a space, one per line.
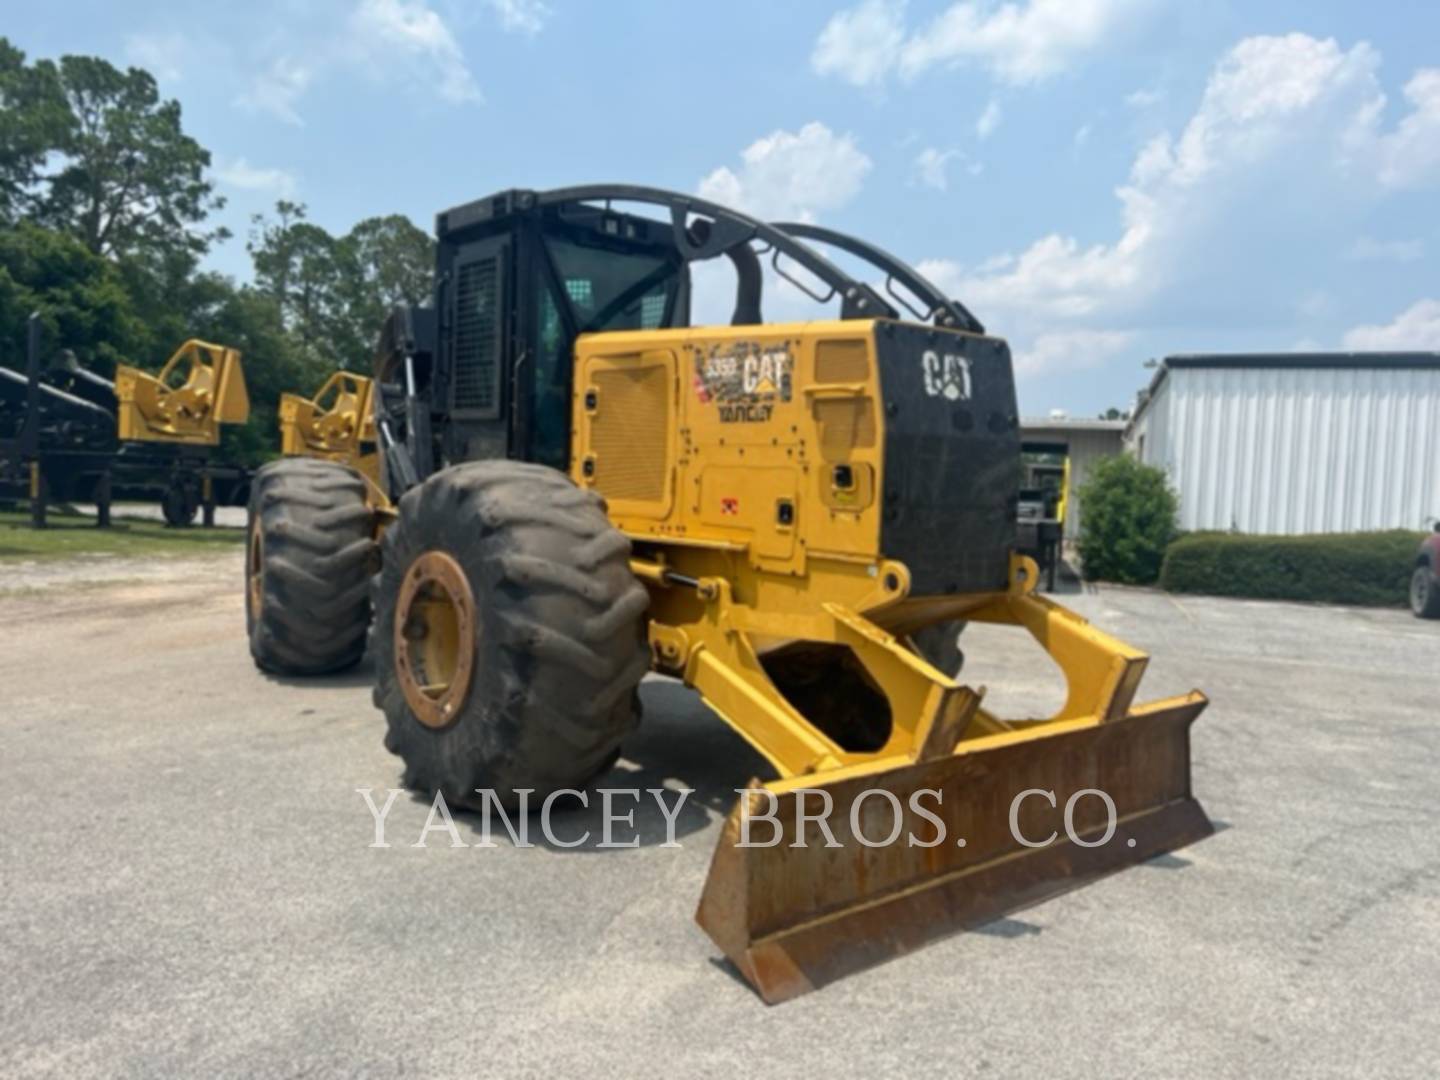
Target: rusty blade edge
759 905
811 954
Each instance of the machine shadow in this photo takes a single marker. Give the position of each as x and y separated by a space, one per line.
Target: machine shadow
680 745
362 674
1067 581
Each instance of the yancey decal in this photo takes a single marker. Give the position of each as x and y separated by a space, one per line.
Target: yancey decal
946 375
744 380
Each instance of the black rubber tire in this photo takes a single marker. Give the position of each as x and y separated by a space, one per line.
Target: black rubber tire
1425 594
179 505
940 646
318 552
560 643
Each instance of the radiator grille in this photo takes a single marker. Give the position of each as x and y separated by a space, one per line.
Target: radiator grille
846 424
841 362
629 430
477 338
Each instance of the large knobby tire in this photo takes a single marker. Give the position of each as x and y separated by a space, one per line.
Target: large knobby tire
1425 593
940 645
509 636
308 565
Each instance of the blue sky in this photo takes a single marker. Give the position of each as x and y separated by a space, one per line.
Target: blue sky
1102 181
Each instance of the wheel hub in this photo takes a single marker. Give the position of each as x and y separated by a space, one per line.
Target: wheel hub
255 593
434 635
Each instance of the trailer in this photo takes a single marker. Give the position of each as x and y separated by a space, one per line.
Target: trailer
69 435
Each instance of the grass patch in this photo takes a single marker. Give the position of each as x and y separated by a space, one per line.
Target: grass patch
70 534
1371 569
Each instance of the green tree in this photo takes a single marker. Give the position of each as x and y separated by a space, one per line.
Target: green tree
1129 517
33 119
392 261
299 266
106 203
383 261
130 182
333 293
82 298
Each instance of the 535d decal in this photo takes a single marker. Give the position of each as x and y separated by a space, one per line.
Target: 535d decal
744 380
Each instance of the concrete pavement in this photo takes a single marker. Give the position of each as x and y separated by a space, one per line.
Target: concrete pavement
188 887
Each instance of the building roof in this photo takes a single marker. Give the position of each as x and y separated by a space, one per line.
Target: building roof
1068 423
1368 361
1302 360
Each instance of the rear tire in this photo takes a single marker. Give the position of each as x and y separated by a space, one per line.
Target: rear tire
1424 594
939 644
179 505
541 688
308 563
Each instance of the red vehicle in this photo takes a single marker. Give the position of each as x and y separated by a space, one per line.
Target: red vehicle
1425 584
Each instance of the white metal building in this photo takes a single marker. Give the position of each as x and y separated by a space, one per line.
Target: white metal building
1086 441
1296 443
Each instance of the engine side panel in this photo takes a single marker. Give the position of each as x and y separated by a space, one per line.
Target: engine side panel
841 441
772 438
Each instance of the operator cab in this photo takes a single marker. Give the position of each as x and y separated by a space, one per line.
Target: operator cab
522 274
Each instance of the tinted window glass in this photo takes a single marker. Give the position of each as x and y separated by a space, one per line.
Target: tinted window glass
613 290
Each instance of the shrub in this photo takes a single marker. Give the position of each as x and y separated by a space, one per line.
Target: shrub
1371 568
1129 518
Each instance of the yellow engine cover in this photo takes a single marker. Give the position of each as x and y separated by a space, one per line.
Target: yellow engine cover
761 438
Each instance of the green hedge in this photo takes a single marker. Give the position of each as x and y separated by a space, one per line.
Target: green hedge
1129 519
1371 568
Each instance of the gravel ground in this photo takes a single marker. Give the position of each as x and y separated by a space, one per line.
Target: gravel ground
189 890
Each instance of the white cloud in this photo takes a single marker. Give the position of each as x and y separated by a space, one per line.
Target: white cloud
1282 129
988 120
1417 328
861 44
788 174
932 167
379 29
241 174
1368 249
1020 42
1070 350
383 40
1410 155
1280 162
521 16
278 89
162 54
1082 135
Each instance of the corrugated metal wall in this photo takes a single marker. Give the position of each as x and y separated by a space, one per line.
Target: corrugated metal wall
1297 450
1087 445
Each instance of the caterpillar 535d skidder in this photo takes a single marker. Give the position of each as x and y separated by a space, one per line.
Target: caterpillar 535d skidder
579 486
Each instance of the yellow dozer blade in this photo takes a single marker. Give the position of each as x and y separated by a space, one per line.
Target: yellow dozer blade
960 817
200 387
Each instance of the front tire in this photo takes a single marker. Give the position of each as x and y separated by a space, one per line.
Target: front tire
509 636
1424 594
310 550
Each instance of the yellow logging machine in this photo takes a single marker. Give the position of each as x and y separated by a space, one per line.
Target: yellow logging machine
577 486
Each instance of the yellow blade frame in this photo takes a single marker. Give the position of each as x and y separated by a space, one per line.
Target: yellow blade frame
794 916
